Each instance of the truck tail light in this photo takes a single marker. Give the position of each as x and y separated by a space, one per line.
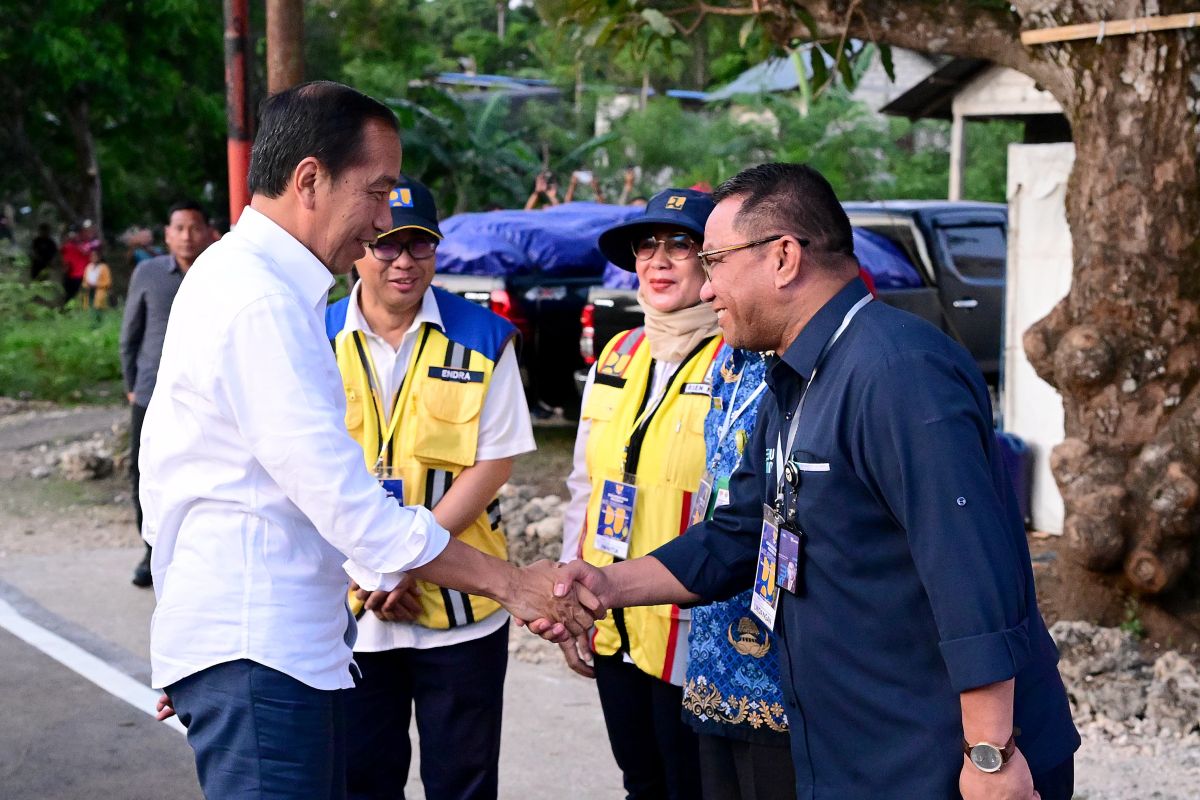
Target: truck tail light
504 304
587 337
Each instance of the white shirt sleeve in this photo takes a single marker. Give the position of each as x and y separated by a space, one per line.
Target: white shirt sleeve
579 484
504 425
282 394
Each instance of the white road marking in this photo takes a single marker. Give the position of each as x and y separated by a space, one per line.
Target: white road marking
80 661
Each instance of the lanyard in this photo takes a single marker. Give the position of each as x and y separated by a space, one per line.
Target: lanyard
795 426
368 363
732 414
633 446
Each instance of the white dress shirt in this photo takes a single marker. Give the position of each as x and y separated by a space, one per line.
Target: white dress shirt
504 431
256 499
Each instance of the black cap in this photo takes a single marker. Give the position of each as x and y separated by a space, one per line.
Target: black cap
413 207
686 209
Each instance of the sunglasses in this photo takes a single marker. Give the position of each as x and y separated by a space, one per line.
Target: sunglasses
679 247
420 248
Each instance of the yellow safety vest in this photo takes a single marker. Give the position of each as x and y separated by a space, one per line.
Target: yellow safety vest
670 464
436 438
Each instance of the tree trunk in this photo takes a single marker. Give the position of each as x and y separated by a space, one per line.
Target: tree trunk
1123 346
78 115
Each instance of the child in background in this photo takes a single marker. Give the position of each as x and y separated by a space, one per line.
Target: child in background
97 279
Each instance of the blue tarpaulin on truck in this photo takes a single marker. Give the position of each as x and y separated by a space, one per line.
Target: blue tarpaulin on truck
886 262
560 240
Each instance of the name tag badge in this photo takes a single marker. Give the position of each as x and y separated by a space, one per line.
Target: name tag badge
456 375
614 528
765 597
700 499
722 494
788 575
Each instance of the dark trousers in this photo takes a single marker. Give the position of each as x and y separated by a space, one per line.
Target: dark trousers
653 746
733 769
137 415
1057 783
70 288
458 692
260 734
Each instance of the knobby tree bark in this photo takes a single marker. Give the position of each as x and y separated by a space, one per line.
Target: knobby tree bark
1122 347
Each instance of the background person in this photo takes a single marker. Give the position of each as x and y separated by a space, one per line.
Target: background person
915 661
42 252
639 455
152 291
441 374
97 280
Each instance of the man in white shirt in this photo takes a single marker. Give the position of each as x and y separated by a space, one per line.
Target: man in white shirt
434 396
256 500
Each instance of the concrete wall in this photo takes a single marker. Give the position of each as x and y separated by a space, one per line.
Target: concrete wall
1039 275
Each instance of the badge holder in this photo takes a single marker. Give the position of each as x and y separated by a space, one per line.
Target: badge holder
614 526
701 498
765 598
392 482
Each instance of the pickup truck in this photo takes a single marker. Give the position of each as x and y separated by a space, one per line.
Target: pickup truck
535 269
955 251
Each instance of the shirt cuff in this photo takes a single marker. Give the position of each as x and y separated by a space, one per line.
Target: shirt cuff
369 579
988 658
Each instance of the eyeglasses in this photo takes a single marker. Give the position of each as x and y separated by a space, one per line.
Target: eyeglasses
679 247
420 248
708 264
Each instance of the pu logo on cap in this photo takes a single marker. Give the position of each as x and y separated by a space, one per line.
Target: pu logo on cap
675 202
401 198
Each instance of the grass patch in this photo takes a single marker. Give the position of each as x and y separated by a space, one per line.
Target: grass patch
46 354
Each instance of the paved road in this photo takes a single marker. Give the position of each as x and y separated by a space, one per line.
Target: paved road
62 738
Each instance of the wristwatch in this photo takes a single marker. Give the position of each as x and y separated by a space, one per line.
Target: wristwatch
988 757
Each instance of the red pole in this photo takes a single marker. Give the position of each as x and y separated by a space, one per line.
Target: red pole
237 104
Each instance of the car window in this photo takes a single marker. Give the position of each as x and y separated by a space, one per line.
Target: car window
976 251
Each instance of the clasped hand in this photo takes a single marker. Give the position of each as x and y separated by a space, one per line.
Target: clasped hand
546 597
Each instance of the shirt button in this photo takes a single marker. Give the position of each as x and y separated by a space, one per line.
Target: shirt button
962 501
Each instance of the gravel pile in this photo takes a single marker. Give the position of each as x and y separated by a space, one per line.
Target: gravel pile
533 524
102 454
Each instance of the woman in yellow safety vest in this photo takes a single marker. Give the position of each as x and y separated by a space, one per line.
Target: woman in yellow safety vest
639 457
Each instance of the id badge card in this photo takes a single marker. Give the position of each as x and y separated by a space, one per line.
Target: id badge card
614 528
722 488
788 574
700 500
765 597
394 487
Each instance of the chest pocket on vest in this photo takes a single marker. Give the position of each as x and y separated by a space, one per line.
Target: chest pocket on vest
685 462
449 425
354 410
600 409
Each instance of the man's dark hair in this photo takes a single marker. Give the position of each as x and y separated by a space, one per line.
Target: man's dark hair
187 205
321 119
790 198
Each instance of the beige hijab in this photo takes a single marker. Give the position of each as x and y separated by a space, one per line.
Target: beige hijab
674 334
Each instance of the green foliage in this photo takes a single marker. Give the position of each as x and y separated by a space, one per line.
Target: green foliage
140 82
51 355
1132 623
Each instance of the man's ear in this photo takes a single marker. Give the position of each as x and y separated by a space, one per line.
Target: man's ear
786 258
305 178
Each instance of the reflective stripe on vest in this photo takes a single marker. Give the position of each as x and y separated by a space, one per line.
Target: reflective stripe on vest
435 440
